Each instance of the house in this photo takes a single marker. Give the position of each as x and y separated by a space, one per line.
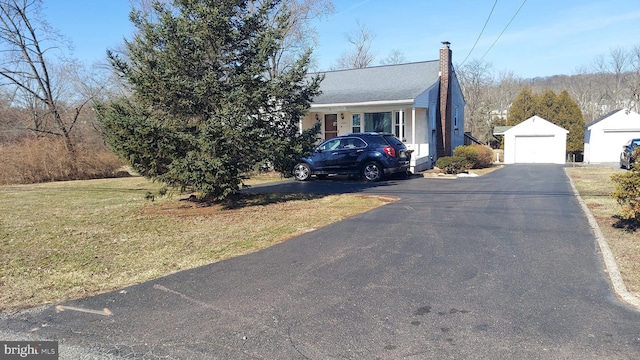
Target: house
421 103
534 140
604 137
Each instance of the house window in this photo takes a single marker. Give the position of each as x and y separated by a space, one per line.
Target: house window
455 119
355 123
378 122
398 129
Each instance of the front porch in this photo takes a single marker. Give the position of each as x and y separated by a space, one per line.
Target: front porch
409 124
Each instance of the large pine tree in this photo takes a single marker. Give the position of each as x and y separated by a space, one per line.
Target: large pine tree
522 108
203 109
569 116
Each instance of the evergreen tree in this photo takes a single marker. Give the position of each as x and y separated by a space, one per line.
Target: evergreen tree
203 109
570 117
547 105
523 107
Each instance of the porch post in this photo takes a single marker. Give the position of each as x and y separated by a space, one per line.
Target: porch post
401 111
416 149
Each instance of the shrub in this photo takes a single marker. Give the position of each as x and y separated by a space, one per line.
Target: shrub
453 164
627 193
468 152
480 156
46 159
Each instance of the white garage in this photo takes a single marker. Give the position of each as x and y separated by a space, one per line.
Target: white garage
603 138
535 140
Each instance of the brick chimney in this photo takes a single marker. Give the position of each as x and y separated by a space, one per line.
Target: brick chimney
445 123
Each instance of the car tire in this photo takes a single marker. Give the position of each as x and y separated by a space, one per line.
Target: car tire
372 171
302 172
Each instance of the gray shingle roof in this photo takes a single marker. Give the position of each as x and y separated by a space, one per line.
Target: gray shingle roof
378 83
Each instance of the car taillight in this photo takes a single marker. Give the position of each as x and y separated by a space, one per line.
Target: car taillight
389 150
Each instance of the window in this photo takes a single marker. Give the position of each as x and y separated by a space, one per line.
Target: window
455 119
397 130
332 144
355 123
353 143
378 122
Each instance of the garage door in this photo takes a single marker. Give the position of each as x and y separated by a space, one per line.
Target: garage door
608 149
535 149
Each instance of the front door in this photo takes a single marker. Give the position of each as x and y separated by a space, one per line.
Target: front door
330 126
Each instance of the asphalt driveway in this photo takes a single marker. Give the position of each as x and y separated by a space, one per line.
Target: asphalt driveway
498 267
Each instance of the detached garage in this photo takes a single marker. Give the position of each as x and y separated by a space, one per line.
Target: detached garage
603 138
535 140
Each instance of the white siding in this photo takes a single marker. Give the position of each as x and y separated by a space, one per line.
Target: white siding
604 139
535 140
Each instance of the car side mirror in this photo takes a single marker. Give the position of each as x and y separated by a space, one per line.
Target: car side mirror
318 150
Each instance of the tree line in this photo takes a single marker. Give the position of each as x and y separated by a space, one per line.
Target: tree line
610 83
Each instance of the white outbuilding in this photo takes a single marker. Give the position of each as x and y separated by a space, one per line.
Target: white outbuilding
535 140
604 137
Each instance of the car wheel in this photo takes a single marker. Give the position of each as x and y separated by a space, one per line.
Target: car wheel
372 171
302 172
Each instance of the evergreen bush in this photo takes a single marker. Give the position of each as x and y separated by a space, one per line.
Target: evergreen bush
627 193
478 155
453 164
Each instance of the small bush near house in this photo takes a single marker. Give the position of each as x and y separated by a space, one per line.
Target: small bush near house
454 164
480 156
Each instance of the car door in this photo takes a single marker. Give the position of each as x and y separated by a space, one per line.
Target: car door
345 157
323 156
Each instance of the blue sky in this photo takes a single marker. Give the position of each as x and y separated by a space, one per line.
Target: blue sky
546 37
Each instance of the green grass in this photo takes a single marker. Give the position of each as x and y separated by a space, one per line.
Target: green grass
71 239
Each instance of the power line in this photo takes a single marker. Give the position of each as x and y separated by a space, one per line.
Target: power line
505 29
482 31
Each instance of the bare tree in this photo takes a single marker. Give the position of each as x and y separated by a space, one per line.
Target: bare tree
614 70
395 57
27 40
299 35
360 55
476 79
634 81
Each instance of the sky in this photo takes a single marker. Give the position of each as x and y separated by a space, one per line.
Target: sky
530 38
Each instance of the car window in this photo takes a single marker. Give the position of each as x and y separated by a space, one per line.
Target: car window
330 144
353 143
379 140
636 142
393 140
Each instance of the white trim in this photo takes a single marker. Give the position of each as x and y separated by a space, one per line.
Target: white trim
366 103
413 131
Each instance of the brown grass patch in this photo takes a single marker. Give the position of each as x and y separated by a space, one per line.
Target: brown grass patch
71 239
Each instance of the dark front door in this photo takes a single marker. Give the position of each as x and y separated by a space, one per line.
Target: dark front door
330 126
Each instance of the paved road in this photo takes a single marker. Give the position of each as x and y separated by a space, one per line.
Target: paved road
498 267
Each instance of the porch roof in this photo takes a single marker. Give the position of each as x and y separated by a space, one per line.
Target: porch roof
389 83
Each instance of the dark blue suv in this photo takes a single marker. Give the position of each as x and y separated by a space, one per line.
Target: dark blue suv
626 156
371 155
